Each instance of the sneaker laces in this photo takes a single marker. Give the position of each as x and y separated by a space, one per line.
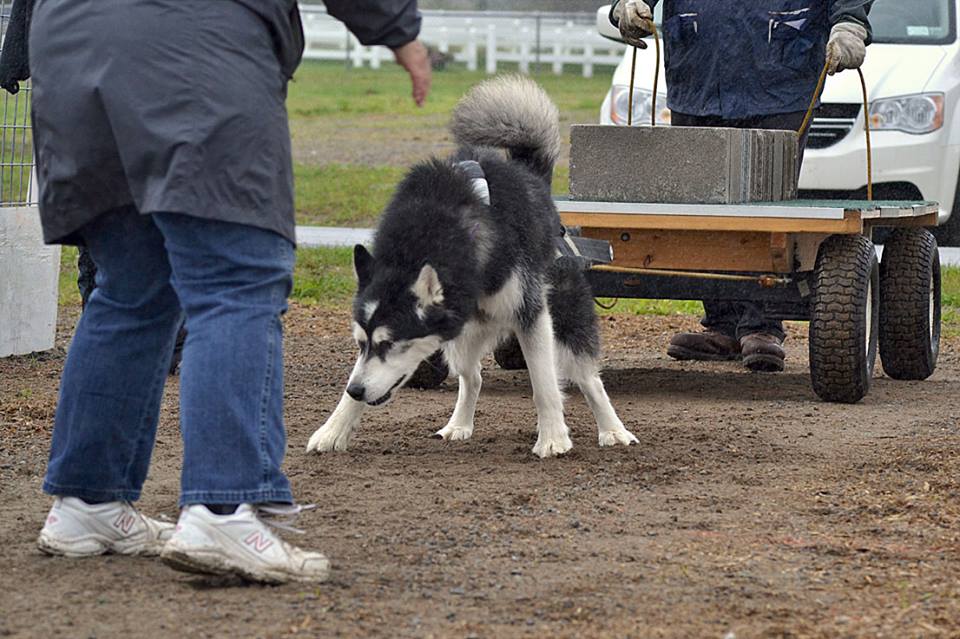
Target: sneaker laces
282 516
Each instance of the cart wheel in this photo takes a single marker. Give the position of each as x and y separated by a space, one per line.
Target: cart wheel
910 304
431 373
843 321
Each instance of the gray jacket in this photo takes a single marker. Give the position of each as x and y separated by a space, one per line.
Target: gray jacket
391 23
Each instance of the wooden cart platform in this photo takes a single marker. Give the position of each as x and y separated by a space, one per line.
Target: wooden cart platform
778 237
802 259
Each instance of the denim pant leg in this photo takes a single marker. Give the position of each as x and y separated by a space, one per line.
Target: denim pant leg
233 281
112 381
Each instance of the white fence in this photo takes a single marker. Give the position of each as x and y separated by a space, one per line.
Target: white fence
474 38
28 269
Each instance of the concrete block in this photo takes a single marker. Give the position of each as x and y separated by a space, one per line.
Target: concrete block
29 271
688 165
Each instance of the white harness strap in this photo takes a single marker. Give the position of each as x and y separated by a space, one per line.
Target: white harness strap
478 180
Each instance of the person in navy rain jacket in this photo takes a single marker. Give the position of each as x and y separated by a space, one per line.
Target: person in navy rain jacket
751 64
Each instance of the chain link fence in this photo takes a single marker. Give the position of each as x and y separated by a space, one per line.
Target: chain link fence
16 141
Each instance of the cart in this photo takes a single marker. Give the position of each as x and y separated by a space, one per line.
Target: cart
803 259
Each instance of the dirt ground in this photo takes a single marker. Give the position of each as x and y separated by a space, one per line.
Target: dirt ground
749 509
381 140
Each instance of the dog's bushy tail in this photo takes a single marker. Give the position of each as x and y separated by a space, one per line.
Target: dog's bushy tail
511 112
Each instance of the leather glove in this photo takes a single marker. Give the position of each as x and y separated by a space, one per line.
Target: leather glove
847 47
635 21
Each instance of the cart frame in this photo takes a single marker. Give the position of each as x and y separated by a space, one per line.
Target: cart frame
803 259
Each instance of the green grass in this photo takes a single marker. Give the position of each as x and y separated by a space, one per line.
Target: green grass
325 89
69 293
352 195
376 105
324 277
343 195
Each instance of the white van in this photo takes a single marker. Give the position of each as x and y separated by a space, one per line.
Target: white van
913 79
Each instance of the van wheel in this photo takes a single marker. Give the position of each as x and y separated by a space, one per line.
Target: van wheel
843 320
910 304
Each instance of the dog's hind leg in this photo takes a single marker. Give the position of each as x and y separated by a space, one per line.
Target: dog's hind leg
335 433
583 371
536 342
578 346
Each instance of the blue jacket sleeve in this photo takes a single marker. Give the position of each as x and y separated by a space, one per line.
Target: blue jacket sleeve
392 23
852 11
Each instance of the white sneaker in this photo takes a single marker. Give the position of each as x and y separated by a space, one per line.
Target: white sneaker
243 544
75 528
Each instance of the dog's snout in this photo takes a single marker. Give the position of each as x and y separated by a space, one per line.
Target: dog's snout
356 391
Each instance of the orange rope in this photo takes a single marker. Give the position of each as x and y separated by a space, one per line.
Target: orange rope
808 118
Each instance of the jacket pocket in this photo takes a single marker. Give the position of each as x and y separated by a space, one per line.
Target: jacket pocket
791 34
681 35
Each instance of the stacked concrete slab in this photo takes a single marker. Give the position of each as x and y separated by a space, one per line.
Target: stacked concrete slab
688 165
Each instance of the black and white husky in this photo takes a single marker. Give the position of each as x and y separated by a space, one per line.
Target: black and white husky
458 265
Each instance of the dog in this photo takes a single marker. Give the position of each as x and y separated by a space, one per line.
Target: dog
463 257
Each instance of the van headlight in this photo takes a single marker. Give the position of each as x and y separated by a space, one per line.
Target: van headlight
916 114
642 103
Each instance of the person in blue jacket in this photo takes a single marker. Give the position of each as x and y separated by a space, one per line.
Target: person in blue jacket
745 65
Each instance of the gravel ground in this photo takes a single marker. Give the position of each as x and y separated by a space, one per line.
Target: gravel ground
749 507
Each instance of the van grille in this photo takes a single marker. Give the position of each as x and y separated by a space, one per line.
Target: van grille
831 123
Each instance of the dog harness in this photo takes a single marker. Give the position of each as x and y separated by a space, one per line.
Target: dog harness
587 251
478 179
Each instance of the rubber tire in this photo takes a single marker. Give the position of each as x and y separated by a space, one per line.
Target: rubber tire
841 357
909 345
430 374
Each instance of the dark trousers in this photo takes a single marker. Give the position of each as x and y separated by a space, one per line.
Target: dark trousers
737 319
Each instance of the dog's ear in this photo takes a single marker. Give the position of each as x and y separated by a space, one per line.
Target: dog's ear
362 265
427 288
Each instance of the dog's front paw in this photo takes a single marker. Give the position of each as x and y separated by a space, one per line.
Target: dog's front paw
327 438
455 432
616 436
551 446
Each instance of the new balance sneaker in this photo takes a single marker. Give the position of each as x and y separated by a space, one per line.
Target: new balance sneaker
75 528
244 544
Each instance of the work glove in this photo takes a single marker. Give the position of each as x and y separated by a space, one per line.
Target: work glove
847 47
635 20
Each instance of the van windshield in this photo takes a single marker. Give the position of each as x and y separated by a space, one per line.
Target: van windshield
914 21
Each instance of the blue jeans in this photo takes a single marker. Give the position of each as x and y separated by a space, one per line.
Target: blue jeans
231 281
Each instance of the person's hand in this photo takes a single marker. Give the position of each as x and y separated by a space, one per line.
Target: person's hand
847 47
635 20
414 58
